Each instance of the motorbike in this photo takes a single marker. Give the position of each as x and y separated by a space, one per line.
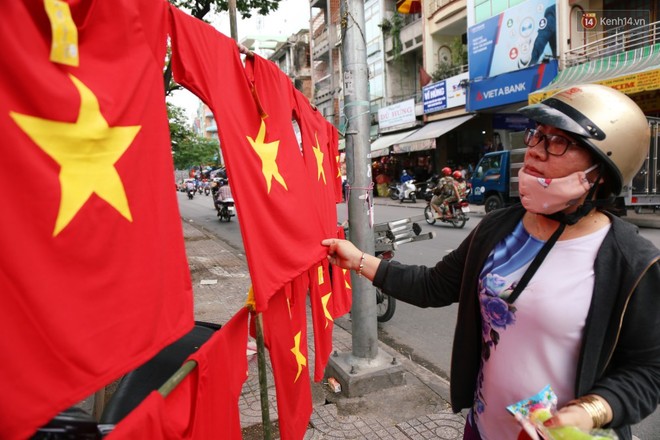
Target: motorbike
457 211
403 191
191 193
207 190
385 304
226 209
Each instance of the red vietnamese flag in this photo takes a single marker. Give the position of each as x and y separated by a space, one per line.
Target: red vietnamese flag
93 273
282 235
285 336
205 404
342 292
320 293
320 160
333 137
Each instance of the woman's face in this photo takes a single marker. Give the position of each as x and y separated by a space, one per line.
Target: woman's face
539 163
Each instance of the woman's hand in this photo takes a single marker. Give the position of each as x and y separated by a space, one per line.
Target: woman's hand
343 253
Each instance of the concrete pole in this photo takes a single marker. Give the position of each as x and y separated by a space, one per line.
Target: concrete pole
358 169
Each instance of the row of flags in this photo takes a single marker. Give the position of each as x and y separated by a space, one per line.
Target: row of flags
93 270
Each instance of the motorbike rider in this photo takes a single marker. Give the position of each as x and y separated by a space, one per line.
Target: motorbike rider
445 192
406 180
461 184
223 195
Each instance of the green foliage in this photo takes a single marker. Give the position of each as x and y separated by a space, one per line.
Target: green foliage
188 149
459 58
459 55
395 31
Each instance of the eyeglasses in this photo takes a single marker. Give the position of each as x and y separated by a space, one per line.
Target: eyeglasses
554 144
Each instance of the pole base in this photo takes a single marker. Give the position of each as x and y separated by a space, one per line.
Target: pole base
359 376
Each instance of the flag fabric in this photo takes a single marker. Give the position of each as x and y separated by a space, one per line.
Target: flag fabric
424 78
409 6
321 300
320 156
285 336
93 271
342 297
254 107
205 404
333 136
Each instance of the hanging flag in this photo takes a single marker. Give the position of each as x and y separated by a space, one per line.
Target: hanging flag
265 164
424 78
93 271
409 6
333 137
285 336
204 405
342 297
320 155
321 299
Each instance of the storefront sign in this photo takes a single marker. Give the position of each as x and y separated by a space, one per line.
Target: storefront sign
400 113
444 94
515 39
511 87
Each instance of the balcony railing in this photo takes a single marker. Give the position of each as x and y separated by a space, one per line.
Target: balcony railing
615 41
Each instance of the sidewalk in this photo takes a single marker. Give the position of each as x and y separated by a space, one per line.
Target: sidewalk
418 409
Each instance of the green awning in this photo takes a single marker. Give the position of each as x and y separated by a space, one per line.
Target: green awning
630 72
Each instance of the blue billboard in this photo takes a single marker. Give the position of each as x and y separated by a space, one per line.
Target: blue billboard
510 87
519 37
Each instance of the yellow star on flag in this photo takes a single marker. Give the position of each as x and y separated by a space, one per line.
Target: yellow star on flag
324 301
337 158
86 151
300 358
267 152
319 159
346 284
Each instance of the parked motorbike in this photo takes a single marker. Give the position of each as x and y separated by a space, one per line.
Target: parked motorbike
457 213
226 209
403 191
385 304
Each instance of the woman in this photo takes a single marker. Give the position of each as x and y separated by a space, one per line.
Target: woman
553 291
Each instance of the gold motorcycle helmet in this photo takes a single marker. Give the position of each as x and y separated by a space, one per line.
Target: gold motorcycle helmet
604 120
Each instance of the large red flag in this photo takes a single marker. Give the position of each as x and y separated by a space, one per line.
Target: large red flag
285 336
321 161
342 291
93 273
205 404
333 136
282 235
320 293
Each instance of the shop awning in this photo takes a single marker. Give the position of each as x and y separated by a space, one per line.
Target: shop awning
424 138
630 72
380 147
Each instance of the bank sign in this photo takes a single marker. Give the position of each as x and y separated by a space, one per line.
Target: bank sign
444 94
510 87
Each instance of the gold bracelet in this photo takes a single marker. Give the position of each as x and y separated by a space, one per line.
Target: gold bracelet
359 271
594 407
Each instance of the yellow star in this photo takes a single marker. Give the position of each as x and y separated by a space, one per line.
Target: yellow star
300 358
346 283
267 152
86 152
324 301
319 159
338 166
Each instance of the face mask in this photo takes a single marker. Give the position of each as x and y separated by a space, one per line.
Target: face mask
547 196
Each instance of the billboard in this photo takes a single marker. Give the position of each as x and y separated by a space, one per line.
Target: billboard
519 37
444 94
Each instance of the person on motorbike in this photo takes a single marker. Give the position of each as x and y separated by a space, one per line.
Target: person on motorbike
405 179
553 290
223 194
461 184
445 192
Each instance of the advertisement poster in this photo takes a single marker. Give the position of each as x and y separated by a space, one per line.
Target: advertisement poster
520 37
445 94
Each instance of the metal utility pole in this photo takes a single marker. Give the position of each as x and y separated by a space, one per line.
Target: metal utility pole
358 168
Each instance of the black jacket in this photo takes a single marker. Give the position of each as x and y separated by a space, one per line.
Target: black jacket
620 355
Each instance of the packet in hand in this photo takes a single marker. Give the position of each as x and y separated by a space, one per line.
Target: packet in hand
532 412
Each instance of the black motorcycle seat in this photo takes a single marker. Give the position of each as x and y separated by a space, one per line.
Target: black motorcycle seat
136 385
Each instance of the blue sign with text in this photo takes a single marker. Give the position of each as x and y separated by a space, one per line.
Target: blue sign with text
434 97
510 87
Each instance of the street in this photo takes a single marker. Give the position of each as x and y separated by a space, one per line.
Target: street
423 335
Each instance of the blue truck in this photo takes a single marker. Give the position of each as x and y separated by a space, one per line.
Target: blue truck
495 179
